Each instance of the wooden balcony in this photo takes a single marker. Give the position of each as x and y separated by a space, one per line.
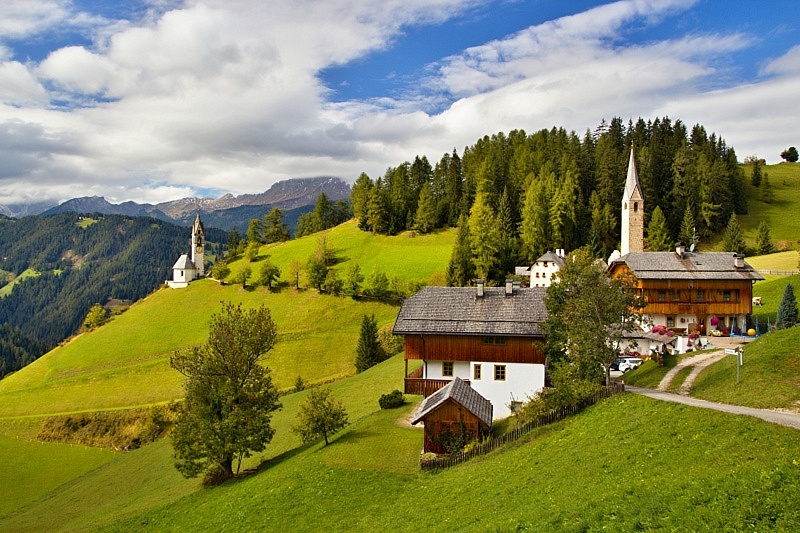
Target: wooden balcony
414 384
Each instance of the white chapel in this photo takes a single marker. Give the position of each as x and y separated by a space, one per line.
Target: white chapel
188 268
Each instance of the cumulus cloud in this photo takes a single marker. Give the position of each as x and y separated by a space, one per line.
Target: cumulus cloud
226 94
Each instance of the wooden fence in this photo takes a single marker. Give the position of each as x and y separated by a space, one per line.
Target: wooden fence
446 461
779 272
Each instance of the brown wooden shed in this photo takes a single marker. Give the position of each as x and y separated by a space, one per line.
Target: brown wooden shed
448 408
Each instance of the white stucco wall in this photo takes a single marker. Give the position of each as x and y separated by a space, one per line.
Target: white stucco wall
522 381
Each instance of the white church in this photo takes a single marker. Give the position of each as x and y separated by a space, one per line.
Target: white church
187 269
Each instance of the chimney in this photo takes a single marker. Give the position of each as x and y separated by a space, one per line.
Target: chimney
480 287
738 260
509 287
680 248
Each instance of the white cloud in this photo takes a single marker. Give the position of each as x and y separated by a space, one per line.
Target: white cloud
225 95
19 18
788 63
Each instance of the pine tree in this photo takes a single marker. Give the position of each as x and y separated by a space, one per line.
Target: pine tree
274 228
658 237
359 197
787 310
367 354
460 271
733 241
764 243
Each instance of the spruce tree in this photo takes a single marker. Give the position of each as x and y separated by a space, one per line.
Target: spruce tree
460 270
755 179
367 350
767 193
787 310
733 241
764 243
425 219
658 237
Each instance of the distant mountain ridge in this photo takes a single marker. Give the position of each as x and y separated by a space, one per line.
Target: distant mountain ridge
289 195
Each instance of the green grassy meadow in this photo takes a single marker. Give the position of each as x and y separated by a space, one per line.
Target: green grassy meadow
409 256
29 273
785 181
631 463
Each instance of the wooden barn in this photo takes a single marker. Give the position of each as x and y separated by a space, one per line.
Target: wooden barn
684 290
455 408
489 337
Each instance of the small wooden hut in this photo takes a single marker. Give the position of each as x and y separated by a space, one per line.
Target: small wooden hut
454 408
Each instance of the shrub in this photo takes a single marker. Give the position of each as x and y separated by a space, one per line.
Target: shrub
391 400
569 390
390 343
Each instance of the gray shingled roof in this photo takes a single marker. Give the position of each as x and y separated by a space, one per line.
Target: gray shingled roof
459 311
461 393
184 263
700 265
552 258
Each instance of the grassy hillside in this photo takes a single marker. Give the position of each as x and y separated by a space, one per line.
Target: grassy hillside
769 378
785 181
771 293
408 256
632 464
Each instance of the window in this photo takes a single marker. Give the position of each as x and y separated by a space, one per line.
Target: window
670 321
726 296
476 372
544 263
662 296
537 274
447 368
494 340
499 372
701 296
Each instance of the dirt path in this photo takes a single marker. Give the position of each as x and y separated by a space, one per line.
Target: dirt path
778 417
699 362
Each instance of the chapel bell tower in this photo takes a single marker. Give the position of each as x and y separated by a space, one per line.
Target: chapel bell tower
198 246
632 238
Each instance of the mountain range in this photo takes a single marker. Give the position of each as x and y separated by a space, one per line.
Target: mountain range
295 196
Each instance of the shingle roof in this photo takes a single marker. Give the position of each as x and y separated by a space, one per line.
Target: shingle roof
459 311
551 257
462 394
184 263
700 265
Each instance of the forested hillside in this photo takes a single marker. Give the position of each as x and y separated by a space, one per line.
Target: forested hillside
77 262
516 195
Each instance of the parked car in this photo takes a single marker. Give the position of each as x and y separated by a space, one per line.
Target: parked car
614 366
631 362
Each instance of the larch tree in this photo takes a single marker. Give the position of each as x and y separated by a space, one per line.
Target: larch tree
425 218
687 234
95 317
658 237
484 237
230 398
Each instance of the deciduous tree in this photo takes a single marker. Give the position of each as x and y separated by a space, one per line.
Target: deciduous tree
790 155
230 397
320 416
95 317
269 274
589 313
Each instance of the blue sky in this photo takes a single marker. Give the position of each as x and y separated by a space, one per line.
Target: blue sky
152 100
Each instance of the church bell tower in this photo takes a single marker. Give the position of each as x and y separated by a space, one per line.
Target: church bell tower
632 238
198 246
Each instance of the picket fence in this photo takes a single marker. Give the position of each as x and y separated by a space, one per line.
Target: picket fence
446 461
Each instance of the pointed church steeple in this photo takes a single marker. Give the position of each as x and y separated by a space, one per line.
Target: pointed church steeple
632 238
198 245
